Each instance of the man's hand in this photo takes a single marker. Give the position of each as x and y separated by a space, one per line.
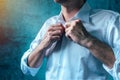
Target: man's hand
53 34
75 31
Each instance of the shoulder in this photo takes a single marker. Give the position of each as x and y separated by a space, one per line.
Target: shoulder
52 20
103 14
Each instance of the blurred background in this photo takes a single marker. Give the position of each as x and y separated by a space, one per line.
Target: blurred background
20 21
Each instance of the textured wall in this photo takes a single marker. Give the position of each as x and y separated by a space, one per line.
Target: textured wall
20 21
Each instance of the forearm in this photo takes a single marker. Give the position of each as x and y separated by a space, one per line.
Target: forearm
76 31
36 57
53 34
101 51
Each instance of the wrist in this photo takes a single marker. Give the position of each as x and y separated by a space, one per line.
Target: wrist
42 48
91 42
88 42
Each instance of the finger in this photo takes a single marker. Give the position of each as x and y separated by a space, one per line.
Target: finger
68 34
67 29
67 24
62 27
79 23
54 33
57 32
71 28
78 20
55 38
56 27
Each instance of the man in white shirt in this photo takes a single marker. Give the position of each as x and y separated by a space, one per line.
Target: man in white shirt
80 44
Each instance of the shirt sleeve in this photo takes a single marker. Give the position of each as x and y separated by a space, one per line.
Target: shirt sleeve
113 39
24 67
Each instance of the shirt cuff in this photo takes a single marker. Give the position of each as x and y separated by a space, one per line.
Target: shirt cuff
115 71
25 68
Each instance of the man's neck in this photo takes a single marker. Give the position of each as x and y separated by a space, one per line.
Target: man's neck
69 12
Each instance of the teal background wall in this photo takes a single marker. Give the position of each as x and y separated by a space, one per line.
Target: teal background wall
20 21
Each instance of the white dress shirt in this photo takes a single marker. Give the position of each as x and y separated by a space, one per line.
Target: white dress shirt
71 61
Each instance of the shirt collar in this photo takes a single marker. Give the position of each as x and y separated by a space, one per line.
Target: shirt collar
82 14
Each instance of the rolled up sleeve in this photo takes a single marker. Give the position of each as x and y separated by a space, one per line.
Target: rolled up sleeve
25 68
24 60
115 71
113 39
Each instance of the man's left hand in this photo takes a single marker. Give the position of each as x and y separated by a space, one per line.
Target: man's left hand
75 31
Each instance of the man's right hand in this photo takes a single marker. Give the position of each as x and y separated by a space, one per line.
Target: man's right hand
53 34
